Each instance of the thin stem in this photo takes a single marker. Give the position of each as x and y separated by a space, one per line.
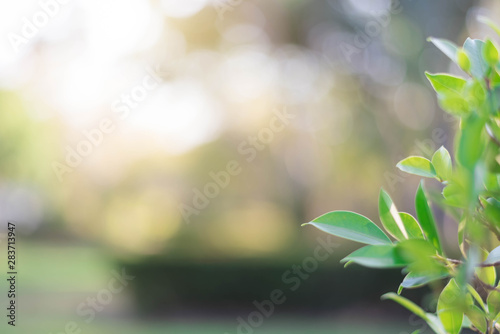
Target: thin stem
480 265
485 286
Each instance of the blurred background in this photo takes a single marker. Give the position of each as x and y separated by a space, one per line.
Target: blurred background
182 144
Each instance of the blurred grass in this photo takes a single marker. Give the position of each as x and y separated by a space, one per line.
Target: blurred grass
272 326
59 268
54 279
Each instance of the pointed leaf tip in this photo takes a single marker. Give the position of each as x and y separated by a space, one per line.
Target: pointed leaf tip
418 166
351 226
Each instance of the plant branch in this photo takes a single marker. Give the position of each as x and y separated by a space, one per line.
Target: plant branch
480 265
485 286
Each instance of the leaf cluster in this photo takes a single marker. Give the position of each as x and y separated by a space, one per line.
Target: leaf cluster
467 288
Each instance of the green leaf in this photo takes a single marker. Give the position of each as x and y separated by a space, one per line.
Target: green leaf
455 95
352 226
492 211
441 160
493 257
491 183
411 306
348 264
493 302
476 296
390 218
454 104
435 324
490 23
448 308
426 219
420 256
454 194
431 319
490 53
417 165
494 83
475 94
463 60
477 318
486 274
376 256
474 49
412 226
492 151
445 84
448 48
413 280
470 145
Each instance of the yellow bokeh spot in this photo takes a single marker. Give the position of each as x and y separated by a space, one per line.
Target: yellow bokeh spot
141 223
253 229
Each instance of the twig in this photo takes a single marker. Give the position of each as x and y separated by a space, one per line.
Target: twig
486 286
480 265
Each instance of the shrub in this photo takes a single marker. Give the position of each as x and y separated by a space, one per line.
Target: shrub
469 296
